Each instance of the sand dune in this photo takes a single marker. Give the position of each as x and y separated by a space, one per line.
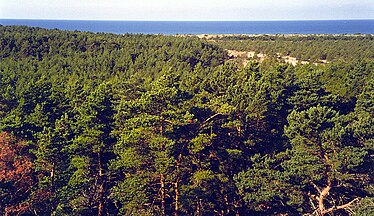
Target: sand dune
245 56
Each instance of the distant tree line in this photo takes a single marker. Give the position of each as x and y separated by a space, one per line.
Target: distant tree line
313 48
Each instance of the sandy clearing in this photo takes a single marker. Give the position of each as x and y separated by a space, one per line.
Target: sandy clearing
245 56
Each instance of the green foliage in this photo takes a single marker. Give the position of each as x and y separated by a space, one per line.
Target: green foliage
166 125
304 47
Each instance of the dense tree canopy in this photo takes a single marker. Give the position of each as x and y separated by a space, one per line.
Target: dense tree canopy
105 124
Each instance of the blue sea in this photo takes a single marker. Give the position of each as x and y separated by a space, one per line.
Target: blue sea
205 27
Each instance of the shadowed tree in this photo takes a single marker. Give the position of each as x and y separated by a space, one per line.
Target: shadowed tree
17 176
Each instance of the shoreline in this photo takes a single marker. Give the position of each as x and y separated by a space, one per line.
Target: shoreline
218 36
219 28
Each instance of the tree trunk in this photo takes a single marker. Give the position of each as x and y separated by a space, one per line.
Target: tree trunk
198 210
227 204
53 177
176 186
326 190
176 205
100 209
162 177
322 196
162 182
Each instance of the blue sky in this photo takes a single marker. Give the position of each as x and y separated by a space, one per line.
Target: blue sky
187 9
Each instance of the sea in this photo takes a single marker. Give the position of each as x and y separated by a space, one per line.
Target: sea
204 27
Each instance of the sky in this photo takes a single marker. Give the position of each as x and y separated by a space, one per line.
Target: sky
187 9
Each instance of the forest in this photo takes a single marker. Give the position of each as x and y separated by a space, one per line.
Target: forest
134 124
313 48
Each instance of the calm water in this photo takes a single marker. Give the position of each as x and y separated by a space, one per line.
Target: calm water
206 27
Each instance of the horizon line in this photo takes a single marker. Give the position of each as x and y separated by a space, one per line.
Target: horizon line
187 20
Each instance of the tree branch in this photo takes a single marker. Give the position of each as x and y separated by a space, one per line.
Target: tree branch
316 187
210 118
334 208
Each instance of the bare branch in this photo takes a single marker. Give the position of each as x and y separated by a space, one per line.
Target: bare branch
334 208
210 118
316 187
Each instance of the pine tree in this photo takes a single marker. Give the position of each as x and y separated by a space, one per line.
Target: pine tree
148 151
91 151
